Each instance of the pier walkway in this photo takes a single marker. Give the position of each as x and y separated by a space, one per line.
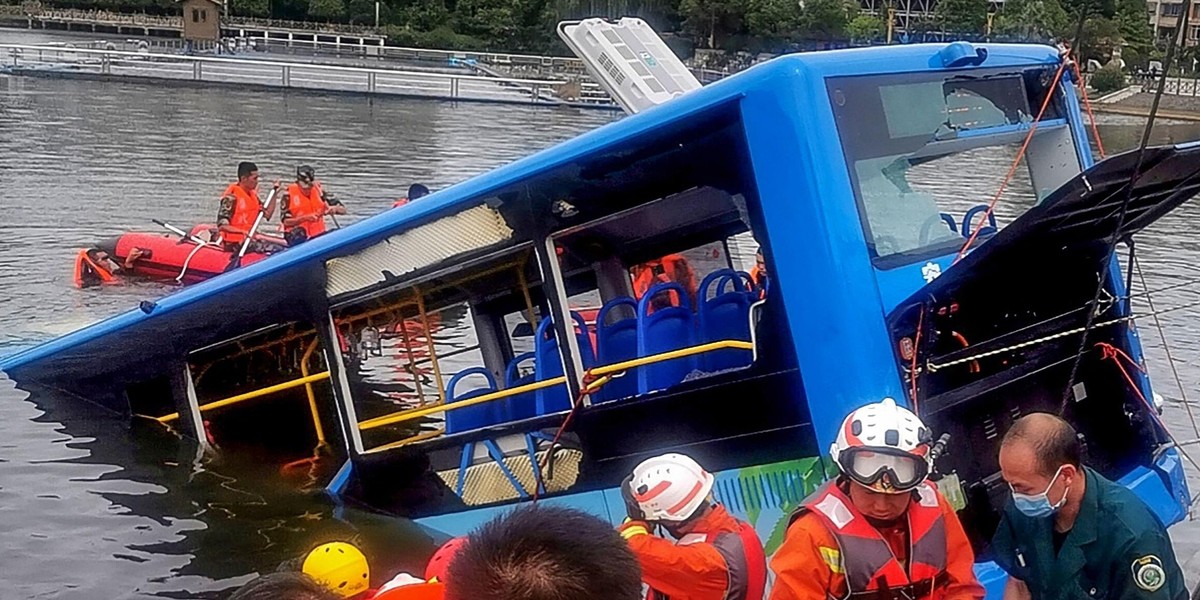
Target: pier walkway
57 61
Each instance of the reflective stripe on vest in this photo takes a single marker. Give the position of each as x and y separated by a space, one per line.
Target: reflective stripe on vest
867 560
245 210
746 561
302 204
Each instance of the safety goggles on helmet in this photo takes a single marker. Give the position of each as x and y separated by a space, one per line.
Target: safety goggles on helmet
884 469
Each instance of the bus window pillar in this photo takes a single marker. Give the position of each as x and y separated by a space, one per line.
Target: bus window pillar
187 405
340 382
560 311
612 278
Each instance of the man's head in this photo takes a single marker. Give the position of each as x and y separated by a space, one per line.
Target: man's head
248 175
305 176
417 190
283 586
759 262
544 553
882 450
1040 458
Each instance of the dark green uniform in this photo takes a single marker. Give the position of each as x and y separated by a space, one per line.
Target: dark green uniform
1117 550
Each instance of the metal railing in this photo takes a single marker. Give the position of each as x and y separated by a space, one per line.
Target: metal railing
31 59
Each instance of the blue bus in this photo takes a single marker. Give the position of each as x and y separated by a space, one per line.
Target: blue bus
536 331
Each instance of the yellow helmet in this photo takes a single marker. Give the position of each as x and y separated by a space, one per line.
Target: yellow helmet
339 566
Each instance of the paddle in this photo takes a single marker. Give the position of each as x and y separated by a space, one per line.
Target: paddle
181 233
236 260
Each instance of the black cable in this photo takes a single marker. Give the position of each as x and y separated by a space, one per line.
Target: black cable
1181 30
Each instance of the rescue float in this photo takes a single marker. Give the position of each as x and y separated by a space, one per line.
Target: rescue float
881 285
174 256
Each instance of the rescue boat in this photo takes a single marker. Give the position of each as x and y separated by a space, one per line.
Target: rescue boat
166 256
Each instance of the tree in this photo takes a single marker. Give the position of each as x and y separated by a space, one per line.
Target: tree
493 21
1134 30
712 20
773 22
326 10
1032 20
866 29
825 20
961 16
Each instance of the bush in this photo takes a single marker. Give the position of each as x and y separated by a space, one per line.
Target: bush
1109 79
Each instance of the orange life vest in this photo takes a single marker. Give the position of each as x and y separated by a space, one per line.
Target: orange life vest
871 569
672 267
245 210
302 204
89 272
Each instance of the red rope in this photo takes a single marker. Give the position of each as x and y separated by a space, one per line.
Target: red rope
1110 351
1012 170
1087 104
588 380
916 350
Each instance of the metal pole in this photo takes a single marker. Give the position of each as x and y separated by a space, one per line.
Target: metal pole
377 14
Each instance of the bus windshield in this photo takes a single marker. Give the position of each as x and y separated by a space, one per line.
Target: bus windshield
926 153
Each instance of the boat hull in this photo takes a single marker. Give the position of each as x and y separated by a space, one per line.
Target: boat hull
169 254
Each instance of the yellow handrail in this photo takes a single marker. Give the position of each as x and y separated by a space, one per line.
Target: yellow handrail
312 396
409 415
279 387
420 437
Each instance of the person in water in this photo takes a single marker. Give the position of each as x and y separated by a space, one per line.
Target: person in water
303 211
759 275
97 267
714 556
878 531
239 209
415 191
1071 533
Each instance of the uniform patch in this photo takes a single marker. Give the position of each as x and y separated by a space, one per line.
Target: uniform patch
1148 573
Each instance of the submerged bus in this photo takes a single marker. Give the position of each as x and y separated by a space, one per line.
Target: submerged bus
526 333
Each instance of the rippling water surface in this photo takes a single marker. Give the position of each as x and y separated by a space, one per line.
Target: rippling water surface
93 508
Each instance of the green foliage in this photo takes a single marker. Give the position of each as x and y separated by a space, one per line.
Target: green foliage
326 10
866 29
710 22
774 22
250 8
961 16
825 20
1032 20
1109 79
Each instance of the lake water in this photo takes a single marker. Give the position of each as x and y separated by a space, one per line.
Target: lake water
90 508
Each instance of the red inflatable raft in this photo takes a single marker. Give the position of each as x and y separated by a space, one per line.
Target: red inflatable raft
165 256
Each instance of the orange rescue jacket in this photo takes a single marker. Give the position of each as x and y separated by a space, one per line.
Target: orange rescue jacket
672 267
722 559
831 551
302 204
245 210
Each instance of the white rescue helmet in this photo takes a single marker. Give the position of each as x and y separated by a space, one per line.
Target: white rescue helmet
883 447
670 487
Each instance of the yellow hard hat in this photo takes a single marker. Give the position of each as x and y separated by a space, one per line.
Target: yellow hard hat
339 566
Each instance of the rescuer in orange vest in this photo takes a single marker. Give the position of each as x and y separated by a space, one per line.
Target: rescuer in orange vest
759 275
240 207
714 556
672 267
878 531
303 210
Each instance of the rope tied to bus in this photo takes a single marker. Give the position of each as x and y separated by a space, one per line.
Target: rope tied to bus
590 382
1012 169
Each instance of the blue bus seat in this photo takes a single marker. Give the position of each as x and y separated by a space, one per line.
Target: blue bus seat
473 417
725 316
617 342
668 328
548 363
522 406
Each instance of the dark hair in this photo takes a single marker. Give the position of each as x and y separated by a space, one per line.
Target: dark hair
284 586
246 168
544 553
417 190
1053 440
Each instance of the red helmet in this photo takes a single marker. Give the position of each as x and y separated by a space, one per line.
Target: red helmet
439 565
